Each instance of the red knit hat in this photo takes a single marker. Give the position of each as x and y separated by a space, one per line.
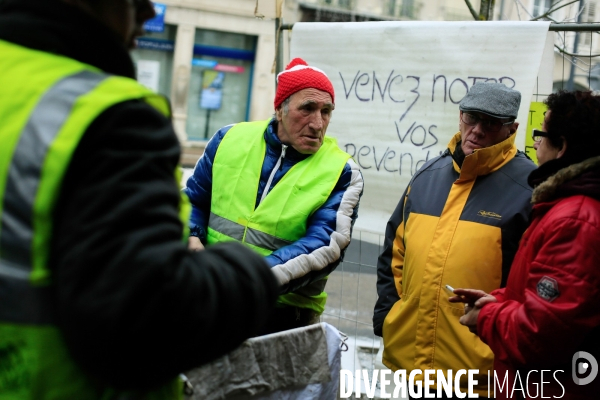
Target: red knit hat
299 75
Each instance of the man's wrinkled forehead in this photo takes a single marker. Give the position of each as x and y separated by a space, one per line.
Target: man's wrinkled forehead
313 102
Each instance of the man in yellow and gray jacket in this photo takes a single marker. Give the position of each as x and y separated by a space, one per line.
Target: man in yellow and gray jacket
99 296
459 224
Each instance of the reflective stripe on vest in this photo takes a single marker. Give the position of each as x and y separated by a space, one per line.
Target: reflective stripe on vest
253 236
24 174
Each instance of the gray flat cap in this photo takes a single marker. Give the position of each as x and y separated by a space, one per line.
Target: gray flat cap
493 99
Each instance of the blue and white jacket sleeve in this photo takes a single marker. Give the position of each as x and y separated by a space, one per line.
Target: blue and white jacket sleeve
328 234
199 186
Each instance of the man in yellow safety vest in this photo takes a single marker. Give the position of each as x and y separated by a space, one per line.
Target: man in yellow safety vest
285 190
99 295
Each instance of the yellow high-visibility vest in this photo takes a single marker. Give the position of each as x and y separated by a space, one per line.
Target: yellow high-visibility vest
47 103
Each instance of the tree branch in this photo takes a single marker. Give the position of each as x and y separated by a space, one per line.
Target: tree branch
473 12
519 6
547 13
576 55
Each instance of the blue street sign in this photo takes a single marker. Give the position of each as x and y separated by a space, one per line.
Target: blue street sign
156 24
203 63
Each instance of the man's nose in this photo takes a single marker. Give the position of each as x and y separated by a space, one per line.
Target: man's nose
536 145
478 128
317 121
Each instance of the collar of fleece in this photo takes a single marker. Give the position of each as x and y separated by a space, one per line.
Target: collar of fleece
581 178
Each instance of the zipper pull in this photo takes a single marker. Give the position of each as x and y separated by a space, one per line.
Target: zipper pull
283 150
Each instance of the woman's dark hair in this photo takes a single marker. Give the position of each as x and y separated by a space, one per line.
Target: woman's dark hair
575 116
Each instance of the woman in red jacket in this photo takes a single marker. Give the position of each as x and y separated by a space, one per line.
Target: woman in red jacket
544 326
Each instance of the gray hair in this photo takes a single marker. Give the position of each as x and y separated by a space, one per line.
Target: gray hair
285 105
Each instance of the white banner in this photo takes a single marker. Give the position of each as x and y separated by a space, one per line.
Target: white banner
398 85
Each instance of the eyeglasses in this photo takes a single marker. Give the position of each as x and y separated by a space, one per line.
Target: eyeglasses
537 135
491 125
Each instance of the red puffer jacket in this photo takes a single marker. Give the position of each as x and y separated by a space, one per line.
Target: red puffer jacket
550 308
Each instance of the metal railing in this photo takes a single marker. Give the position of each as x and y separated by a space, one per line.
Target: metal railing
580 67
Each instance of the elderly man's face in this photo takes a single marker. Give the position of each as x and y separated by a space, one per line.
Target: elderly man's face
478 131
124 17
304 124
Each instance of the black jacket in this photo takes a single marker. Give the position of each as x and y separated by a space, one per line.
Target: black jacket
135 306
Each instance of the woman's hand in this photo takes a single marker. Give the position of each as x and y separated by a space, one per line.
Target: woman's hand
474 301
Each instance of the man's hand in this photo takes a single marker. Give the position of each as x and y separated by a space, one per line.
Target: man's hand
468 296
474 301
194 244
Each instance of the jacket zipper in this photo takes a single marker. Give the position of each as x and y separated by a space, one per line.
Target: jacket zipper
278 167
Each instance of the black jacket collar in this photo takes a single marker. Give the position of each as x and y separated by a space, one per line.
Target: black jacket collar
56 27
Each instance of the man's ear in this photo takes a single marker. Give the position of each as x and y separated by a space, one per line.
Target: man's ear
279 113
563 148
513 128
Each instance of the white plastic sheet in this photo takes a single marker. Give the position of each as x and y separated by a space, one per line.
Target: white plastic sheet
298 364
398 85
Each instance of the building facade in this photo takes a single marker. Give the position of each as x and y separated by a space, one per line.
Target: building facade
216 61
213 60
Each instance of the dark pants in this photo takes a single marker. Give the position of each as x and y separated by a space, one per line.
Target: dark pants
284 318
